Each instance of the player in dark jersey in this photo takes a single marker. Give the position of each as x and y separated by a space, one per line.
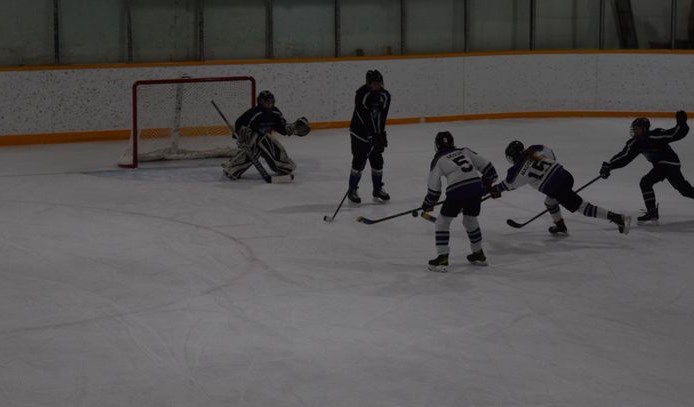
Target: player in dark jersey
655 146
253 130
368 135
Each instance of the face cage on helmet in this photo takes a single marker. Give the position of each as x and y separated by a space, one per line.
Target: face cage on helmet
632 130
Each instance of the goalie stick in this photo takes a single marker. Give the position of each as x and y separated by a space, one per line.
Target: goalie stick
413 212
517 225
276 179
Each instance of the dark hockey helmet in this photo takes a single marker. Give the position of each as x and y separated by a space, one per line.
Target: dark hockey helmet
514 151
266 99
374 76
642 123
444 141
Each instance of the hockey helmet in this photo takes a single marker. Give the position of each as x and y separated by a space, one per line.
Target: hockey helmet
514 151
266 99
374 76
642 123
444 141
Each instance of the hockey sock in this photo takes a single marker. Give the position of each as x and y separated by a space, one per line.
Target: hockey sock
553 209
472 227
442 230
649 200
354 177
592 211
377 178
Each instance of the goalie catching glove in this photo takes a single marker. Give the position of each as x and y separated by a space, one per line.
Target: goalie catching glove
300 127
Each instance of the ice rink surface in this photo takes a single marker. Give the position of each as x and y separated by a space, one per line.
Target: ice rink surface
173 286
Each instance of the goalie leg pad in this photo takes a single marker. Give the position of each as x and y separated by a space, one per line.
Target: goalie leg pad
275 155
237 164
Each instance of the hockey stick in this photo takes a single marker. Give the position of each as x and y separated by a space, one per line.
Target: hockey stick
263 172
517 225
413 212
432 218
332 218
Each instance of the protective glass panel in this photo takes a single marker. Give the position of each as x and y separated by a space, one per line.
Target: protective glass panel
434 26
164 30
567 24
652 19
304 29
27 33
234 29
499 25
684 34
370 28
92 31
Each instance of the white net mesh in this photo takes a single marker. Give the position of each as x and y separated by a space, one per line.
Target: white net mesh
175 120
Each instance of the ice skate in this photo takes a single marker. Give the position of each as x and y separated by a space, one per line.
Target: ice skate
623 222
353 196
477 258
439 264
649 218
559 229
380 195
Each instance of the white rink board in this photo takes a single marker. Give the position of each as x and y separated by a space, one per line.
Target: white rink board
53 101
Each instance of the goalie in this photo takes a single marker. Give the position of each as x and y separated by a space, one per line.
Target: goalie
253 131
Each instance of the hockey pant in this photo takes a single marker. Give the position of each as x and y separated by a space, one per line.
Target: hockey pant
266 147
659 173
363 150
565 196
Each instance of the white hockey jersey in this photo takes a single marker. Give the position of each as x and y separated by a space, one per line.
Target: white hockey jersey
462 169
538 172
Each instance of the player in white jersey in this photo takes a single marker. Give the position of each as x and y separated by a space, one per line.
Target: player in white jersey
537 166
461 167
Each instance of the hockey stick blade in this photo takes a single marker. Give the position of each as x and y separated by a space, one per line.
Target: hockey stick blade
429 217
282 179
365 221
515 224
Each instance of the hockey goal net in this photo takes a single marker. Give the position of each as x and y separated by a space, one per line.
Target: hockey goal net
173 119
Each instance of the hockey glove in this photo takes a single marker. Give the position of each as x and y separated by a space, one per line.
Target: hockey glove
605 170
427 207
383 139
494 192
681 117
301 126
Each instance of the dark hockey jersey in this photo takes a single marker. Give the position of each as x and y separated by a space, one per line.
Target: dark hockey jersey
370 113
262 121
654 146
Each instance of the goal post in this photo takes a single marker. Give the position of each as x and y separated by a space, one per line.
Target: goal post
172 119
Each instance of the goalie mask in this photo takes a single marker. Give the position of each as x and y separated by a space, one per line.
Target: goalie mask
640 126
266 100
444 141
514 152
